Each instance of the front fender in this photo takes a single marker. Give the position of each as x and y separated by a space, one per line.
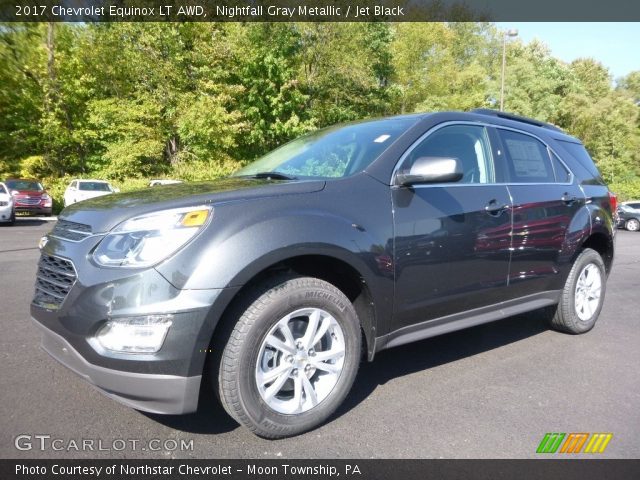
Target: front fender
246 238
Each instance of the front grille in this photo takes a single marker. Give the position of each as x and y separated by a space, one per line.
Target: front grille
71 230
54 279
27 201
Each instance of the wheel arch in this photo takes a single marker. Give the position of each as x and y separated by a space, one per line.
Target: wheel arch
332 267
601 243
588 230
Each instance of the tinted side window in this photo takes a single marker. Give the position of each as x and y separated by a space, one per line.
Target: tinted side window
562 174
580 153
467 143
527 158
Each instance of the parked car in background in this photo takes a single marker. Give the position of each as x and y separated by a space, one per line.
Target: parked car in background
29 196
79 190
7 212
164 181
629 215
269 286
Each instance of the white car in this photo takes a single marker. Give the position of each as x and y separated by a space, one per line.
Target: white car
7 211
164 181
79 190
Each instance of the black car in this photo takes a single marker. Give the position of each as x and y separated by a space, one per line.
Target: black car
629 216
269 286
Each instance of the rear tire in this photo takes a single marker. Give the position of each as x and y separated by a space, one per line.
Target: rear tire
633 225
582 296
291 358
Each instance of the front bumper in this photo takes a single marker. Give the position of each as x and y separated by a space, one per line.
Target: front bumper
34 209
167 394
166 381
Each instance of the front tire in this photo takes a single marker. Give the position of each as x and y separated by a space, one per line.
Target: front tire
633 225
583 294
291 358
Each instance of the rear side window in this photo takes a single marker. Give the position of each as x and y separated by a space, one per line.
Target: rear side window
94 186
577 151
527 158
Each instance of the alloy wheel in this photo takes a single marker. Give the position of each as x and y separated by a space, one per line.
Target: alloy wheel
300 361
588 292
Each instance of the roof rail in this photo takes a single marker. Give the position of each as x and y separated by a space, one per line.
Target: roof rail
517 118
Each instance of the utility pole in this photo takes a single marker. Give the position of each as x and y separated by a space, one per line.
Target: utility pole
508 33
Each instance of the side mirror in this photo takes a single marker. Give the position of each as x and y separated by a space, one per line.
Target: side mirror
431 170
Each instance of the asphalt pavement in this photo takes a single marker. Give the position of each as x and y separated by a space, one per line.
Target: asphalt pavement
492 391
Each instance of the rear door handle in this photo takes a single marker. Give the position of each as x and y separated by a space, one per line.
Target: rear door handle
495 209
568 199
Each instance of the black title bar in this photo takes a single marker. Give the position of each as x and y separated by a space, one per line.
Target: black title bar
579 469
318 10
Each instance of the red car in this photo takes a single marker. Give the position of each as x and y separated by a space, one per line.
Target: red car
29 196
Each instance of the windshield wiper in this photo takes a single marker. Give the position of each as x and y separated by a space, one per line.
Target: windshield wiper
272 175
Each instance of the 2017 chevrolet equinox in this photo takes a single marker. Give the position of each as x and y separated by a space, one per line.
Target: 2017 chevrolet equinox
269 286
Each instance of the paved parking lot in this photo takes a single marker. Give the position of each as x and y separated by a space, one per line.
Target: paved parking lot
491 391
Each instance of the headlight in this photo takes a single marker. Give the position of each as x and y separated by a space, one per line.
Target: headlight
45 196
135 334
148 239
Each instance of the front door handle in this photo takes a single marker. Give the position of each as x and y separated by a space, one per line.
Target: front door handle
495 209
568 199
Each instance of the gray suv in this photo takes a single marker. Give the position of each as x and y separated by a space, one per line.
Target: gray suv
270 286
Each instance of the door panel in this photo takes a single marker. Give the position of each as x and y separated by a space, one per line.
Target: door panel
544 205
541 221
452 239
450 254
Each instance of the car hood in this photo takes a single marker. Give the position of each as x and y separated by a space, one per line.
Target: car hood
31 193
105 212
5 197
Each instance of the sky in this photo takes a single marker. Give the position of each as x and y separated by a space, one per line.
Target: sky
615 45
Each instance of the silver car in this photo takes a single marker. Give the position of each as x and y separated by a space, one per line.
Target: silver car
7 208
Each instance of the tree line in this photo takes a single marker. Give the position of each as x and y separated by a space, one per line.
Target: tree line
197 100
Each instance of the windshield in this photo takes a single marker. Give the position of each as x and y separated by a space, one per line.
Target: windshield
94 186
2 189
24 185
332 152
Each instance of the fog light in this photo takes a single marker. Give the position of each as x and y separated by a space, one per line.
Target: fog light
135 334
